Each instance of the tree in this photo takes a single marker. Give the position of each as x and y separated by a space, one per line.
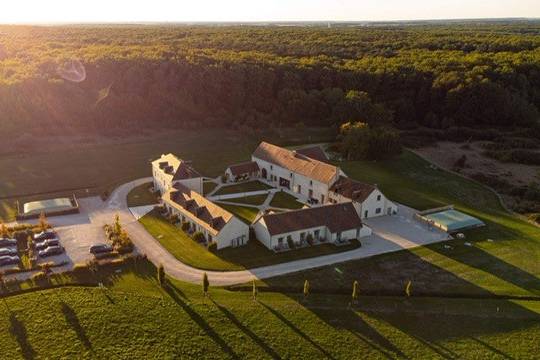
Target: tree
360 141
46 269
2 282
355 292
4 233
306 289
408 288
117 227
43 223
161 275
205 284
255 291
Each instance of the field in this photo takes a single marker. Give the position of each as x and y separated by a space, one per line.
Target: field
252 255
134 317
98 167
242 188
245 213
503 260
283 200
250 200
141 196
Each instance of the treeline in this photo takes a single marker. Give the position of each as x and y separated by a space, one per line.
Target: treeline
127 77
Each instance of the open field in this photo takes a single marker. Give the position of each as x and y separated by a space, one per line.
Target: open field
250 256
134 317
94 168
141 196
285 201
503 259
242 188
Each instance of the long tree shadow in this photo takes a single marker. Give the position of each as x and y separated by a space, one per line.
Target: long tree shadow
18 330
73 321
248 332
172 291
293 327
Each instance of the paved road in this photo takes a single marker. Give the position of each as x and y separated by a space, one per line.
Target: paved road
390 234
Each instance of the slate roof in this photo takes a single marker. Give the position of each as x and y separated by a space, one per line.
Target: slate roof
298 163
314 152
180 169
244 168
336 218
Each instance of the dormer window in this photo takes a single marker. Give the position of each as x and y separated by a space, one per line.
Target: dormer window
291 174
378 197
311 182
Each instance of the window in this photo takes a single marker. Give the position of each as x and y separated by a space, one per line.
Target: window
271 167
317 234
302 236
291 174
280 241
366 214
311 182
378 197
378 211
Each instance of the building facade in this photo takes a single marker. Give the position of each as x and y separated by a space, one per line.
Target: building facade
169 170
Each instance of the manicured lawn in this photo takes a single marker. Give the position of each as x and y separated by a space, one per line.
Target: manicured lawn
250 200
134 317
208 187
284 200
242 188
253 255
245 213
508 264
141 196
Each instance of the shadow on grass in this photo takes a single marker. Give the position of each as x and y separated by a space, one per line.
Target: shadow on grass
74 323
199 320
294 328
247 331
18 330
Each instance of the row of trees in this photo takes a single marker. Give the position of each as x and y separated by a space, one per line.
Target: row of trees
103 78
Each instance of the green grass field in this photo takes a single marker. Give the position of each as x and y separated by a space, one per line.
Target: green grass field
250 200
283 200
242 188
208 187
250 256
245 213
506 264
133 317
141 196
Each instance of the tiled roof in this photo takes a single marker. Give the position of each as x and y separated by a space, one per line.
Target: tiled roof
298 163
210 215
179 168
352 189
314 152
244 168
336 218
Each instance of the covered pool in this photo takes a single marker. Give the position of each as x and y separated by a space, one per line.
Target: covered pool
51 206
452 220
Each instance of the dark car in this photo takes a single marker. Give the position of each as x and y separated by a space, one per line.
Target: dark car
51 251
45 244
45 235
5 242
100 249
9 260
8 251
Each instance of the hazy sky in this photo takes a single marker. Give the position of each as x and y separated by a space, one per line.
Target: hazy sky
12 11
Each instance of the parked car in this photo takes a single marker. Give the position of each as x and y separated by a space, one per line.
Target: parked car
9 260
45 244
100 249
5 242
45 235
8 251
51 251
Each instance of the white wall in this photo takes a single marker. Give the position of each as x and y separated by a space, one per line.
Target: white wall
298 183
195 184
370 204
262 234
232 230
162 180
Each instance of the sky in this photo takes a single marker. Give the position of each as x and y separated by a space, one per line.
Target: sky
68 11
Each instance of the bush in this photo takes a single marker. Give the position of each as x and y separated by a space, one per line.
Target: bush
39 278
185 226
291 244
212 246
199 237
309 239
461 162
174 219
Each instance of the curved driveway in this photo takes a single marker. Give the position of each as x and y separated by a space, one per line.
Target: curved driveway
390 234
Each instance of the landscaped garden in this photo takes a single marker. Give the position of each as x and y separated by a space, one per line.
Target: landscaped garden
208 187
252 255
247 214
284 200
250 200
242 188
142 196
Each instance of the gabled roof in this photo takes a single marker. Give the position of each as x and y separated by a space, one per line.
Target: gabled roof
244 168
314 152
352 189
298 163
210 216
172 165
336 218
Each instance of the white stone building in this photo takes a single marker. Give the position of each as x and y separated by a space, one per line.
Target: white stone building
296 172
367 199
323 224
216 223
169 170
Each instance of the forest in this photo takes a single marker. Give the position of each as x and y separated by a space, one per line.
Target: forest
101 78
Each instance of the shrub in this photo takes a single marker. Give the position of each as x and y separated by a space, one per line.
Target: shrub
199 237
212 246
174 219
309 239
461 162
290 242
161 275
185 226
39 278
